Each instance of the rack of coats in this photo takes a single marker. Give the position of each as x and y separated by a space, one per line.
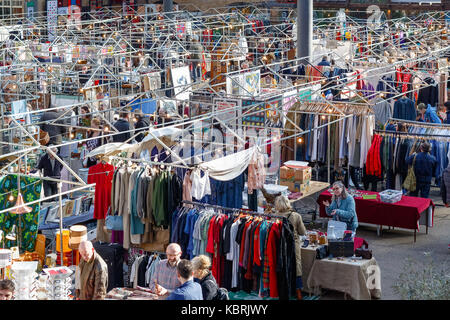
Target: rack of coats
349 138
249 251
141 266
145 197
390 149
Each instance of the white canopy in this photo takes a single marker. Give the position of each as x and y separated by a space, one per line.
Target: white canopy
161 132
112 147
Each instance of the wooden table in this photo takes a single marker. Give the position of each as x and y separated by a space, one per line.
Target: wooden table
315 188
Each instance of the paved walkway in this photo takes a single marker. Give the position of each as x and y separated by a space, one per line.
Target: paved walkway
393 248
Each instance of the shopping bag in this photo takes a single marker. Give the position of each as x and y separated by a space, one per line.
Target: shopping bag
410 181
114 223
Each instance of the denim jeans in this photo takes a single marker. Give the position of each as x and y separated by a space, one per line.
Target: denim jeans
424 189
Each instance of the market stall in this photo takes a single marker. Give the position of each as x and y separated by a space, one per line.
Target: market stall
408 213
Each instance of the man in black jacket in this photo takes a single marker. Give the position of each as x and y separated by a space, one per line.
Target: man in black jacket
122 125
50 167
142 124
55 129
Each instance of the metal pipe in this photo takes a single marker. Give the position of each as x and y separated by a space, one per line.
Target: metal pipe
61 225
304 29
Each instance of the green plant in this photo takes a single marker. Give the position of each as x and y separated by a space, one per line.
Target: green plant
423 281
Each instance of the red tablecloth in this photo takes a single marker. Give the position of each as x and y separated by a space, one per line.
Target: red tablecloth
402 214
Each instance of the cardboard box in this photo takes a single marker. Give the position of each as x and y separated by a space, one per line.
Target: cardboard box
299 174
295 186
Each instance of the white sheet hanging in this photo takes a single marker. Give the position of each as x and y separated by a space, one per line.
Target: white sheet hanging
229 167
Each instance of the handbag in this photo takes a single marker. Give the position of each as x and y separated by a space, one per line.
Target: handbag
410 181
44 137
113 222
322 252
364 252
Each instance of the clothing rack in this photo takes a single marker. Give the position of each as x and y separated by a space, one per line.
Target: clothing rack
411 134
142 251
420 124
230 209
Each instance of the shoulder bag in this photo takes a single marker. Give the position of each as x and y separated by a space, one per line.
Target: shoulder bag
113 222
410 181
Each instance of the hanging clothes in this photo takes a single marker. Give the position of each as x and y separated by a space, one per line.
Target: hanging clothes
101 174
404 109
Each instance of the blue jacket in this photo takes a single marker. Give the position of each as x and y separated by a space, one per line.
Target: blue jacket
404 109
431 115
345 212
189 290
324 63
424 167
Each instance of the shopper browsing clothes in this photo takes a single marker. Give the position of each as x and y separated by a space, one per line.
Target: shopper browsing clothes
7 288
122 125
424 167
342 207
283 208
188 290
93 279
50 167
141 125
164 279
204 277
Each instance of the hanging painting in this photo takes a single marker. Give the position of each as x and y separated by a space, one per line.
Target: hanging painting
181 80
252 84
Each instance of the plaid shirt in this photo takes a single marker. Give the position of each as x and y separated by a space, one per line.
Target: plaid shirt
266 261
165 275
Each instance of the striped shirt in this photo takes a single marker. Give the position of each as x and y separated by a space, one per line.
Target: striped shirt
165 275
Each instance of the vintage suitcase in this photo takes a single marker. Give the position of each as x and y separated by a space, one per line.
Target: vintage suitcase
340 248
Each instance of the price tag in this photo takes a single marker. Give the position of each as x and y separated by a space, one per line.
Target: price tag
369 196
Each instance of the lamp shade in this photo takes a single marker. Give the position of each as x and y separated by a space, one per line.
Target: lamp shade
11 236
23 209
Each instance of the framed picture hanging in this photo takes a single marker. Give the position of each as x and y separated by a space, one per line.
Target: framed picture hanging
228 111
252 83
181 79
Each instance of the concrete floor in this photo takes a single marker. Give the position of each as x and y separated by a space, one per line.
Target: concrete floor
394 246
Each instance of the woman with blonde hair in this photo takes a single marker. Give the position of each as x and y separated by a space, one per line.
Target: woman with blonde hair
204 277
283 208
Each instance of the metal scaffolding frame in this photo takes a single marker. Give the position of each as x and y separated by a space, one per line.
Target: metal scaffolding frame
122 46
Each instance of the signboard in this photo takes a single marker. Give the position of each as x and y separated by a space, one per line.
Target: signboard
52 18
228 117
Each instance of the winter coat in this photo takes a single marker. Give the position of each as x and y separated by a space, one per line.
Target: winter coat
424 167
122 125
404 109
209 286
445 186
299 229
93 285
142 123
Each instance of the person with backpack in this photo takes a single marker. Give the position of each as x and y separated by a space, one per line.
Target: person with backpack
204 277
